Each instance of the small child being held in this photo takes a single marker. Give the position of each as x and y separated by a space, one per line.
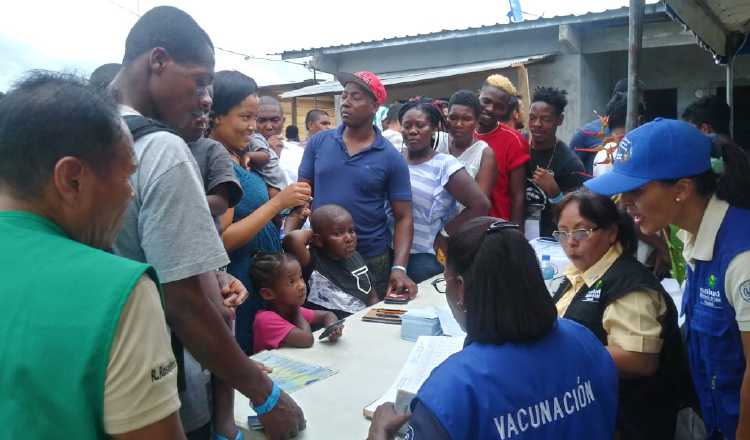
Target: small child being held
265 162
223 190
338 276
277 278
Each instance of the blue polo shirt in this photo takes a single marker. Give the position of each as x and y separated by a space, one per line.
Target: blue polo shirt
362 183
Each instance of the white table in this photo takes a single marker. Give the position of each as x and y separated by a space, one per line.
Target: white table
368 358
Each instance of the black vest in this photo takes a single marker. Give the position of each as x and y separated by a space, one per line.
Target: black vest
648 405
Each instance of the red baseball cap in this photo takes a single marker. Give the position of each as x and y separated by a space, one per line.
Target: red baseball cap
368 80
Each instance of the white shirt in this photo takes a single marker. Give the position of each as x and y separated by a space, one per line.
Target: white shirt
701 247
395 138
471 157
289 161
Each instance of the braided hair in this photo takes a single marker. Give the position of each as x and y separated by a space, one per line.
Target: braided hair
433 112
266 267
426 106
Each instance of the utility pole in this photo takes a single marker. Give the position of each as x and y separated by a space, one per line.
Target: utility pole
635 41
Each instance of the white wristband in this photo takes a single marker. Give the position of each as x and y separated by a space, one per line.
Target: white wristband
395 267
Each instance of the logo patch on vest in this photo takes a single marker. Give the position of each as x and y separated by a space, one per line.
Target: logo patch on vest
594 293
622 154
745 290
709 296
363 280
162 371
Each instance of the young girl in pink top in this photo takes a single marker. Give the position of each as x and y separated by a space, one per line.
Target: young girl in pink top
283 322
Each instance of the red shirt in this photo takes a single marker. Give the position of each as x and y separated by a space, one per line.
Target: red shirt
511 151
270 329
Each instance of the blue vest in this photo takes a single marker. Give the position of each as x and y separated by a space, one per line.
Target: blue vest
563 386
714 344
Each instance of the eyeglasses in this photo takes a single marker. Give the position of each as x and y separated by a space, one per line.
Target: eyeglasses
440 285
577 235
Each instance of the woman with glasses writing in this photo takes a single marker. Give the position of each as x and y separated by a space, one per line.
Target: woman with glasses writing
607 290
522 372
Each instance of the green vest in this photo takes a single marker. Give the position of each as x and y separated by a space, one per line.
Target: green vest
60 305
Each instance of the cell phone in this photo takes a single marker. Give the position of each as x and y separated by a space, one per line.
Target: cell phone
253 422
400 299
331 328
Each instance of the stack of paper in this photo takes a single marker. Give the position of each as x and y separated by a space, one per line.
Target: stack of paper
420 322
428 353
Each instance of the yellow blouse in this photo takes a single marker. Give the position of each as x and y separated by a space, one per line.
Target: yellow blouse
632 322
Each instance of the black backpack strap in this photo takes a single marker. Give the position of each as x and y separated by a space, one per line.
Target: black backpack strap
140 126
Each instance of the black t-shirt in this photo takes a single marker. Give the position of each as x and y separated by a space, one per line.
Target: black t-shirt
569 175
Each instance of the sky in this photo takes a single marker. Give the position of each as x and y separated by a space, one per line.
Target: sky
76 36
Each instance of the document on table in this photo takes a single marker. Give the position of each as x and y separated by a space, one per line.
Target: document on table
291 375
428 353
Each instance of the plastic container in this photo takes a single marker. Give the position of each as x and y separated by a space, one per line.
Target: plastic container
548 269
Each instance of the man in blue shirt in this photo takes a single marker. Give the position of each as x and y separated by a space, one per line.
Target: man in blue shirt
355 167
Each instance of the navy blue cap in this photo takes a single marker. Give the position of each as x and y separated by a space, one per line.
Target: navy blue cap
664 149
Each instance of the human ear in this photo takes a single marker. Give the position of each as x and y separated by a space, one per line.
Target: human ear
460 296
317 241
158 59
69 178
612 234
683 189
267 294
560 119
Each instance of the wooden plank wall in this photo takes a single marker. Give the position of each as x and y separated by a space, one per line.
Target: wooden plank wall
304 105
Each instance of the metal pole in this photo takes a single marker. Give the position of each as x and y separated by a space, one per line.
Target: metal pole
730 95
635 39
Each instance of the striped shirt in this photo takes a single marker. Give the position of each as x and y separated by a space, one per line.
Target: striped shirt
432 205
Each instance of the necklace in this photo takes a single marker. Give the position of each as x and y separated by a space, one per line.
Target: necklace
551 158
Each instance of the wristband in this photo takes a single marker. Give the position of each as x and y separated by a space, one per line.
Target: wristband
557 199
395 267
444 233
270 402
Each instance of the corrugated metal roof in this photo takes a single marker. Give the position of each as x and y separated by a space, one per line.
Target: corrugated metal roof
734 14
718 25
609 14
414 76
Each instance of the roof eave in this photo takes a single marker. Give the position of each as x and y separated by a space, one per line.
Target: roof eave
653 9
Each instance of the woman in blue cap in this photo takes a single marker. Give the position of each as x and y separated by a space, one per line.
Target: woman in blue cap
668 172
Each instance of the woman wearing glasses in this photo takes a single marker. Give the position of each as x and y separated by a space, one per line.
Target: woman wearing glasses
607 290
522 372
669 173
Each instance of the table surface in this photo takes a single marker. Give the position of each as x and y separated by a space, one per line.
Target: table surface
368 359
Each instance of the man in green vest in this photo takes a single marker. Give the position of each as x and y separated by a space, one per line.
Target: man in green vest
85 351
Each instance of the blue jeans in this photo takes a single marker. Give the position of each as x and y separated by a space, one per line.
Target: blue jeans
423 267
